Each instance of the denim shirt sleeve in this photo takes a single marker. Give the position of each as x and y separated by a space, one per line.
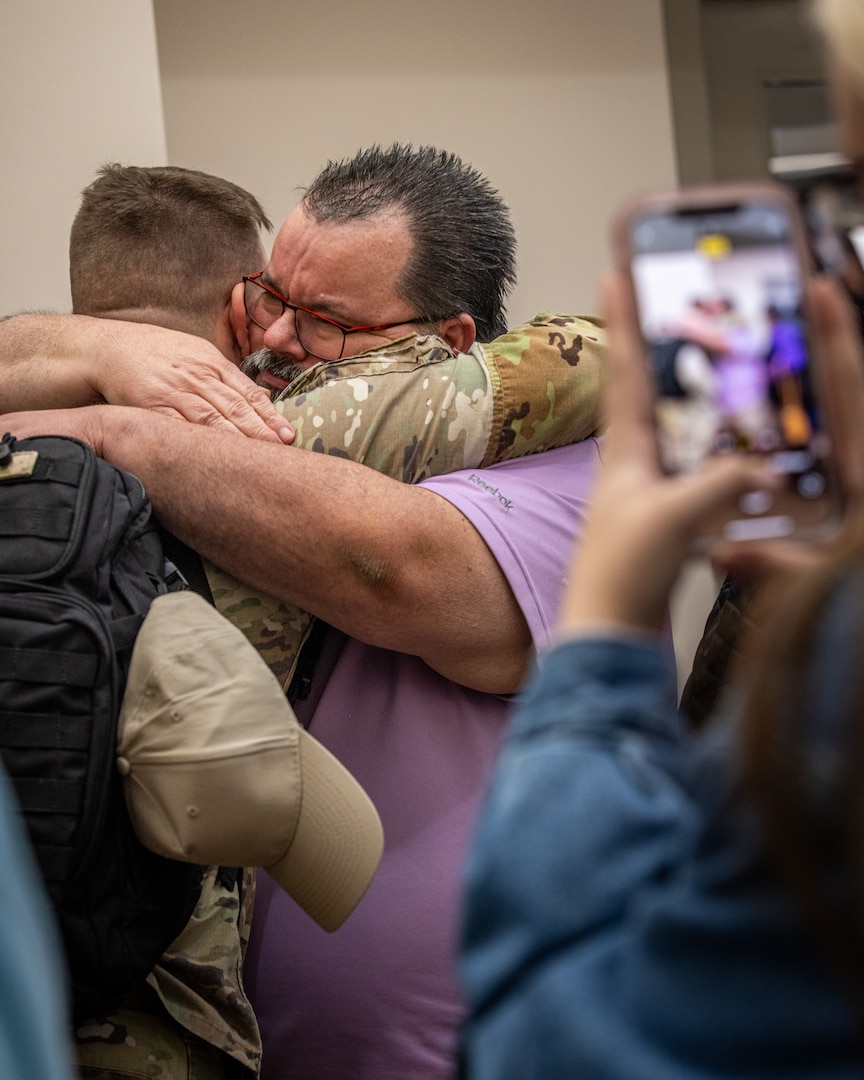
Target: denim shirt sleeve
592 765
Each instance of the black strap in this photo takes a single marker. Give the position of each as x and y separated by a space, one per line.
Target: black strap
46 523
45 730
187 562
48 795
59 470
47 666
54 862
318 658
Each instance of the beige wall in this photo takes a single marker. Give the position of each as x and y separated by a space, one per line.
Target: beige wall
682 21
568 105
745 46
563 103
80 86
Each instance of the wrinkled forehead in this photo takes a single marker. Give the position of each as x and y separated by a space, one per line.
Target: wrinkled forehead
341 267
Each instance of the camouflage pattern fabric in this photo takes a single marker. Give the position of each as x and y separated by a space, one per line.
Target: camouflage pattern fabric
210 1031
144 1047
414 409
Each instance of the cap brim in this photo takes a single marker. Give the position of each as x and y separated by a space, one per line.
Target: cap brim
337 844
217 769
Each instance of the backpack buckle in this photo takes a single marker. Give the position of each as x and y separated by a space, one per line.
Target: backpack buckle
17 464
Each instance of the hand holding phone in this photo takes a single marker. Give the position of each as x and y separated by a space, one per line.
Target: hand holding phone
718 285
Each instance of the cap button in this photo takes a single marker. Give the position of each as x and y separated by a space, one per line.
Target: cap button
123 766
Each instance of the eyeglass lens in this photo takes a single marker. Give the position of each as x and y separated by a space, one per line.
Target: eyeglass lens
317 336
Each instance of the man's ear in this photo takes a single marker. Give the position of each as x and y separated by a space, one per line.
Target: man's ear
459 332
223 334
237 315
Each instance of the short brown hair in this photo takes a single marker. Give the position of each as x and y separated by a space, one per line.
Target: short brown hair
162 239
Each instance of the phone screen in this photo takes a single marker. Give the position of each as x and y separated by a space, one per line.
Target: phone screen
719 294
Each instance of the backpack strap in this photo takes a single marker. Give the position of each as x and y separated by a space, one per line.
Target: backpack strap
186 562
318 658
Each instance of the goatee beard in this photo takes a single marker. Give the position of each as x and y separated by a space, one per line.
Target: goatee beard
265 360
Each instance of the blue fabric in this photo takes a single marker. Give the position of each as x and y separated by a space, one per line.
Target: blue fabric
619 919
34 1024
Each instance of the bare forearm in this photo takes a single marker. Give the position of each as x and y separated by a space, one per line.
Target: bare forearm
44 361
65 361
379 559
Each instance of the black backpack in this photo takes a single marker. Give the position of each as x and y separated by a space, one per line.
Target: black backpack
81 560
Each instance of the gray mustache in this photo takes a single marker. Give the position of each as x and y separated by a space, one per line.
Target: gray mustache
265 360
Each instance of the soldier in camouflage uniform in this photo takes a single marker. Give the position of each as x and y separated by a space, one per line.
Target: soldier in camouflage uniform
192 1017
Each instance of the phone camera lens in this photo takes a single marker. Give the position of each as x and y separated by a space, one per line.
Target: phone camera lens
810 485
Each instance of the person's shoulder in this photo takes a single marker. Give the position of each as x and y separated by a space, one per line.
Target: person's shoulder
583 455
553 477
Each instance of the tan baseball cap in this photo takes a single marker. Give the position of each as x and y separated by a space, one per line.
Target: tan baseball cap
217 770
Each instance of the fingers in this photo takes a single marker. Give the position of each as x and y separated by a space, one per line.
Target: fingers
242 408
838 342
699 497
252 412
640 531
629 395
154 368
246 410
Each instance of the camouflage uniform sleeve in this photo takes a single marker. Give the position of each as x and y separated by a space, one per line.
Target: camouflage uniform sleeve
414 409
276 629
547 378
411 409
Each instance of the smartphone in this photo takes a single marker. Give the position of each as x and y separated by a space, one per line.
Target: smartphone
718 278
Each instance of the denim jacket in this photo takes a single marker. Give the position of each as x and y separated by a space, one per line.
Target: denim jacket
620 919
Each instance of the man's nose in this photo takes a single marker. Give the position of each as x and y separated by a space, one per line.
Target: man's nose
281 337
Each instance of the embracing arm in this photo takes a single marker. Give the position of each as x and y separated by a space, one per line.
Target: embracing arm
38 372
384 561
63 361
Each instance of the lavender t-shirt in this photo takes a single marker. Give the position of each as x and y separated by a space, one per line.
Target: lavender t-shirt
378 1000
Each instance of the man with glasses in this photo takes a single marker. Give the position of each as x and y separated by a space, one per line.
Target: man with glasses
441 589
321 337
